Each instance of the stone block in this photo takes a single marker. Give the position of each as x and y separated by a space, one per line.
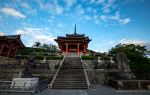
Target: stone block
24 82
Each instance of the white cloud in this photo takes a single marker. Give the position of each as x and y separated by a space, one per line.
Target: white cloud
69 2
61 25
100 1
103 17
12 12
132 41
80 10
136 42
59 9
25 5
31 35
125 21
87 17
1 34
118 18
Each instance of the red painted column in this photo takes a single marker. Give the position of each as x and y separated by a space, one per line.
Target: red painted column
9 51
2 49
78 50
15 52
66 49
84 47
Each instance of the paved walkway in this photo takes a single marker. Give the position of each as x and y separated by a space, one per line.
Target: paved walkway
101 90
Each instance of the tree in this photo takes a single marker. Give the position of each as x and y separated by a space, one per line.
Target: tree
49 47
135 53
52 47
37 44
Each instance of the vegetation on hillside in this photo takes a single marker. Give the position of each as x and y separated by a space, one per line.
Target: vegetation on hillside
136 55
39 51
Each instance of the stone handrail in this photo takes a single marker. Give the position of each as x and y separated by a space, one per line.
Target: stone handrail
50 85
86 76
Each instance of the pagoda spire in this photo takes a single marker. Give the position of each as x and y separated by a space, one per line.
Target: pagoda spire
75 29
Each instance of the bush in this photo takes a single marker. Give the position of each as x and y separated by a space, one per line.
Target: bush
54 58
39 57
105 58
22 57
89 57
140 67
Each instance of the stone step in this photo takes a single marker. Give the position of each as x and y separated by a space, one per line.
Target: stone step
73 86
70 87
71 75
72 81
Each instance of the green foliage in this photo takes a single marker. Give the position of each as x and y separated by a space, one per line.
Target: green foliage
22 57
54 57
39 57
89 57
36 44
49 47
140 68
135 53
105 58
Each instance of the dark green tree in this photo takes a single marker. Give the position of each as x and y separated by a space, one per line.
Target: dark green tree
135 53
37 44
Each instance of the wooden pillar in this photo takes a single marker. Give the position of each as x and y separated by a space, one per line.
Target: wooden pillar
15 52
66 49
9 51
1 49
84 47
78 50
61 47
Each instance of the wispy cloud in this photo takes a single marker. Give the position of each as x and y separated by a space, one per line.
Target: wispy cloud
59 9
132 41
31 35
12 12
2 33
69 2
136 42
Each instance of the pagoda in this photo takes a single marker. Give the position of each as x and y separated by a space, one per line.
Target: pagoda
9 45
73 43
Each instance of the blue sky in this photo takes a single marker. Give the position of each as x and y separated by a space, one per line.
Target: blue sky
106 22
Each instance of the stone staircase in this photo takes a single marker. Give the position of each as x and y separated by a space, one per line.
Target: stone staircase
71 75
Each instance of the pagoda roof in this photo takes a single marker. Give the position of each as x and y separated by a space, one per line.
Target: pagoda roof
16 38
75 35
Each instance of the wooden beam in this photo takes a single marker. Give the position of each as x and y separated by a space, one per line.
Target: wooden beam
2 48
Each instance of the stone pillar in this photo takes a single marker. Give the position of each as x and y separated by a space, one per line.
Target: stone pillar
66 49
1 49
9 51
78 49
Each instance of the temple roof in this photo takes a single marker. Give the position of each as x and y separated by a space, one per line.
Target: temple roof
16 38
73 37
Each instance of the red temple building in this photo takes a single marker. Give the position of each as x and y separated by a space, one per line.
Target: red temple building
9 45
73 43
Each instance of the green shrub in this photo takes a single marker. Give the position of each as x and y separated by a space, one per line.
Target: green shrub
54 58
22 57
39 57
105 58
140 67
89 57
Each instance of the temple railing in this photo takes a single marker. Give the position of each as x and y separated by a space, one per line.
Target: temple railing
51 84
86 76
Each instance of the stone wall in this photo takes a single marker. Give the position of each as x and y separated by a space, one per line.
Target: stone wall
9 73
